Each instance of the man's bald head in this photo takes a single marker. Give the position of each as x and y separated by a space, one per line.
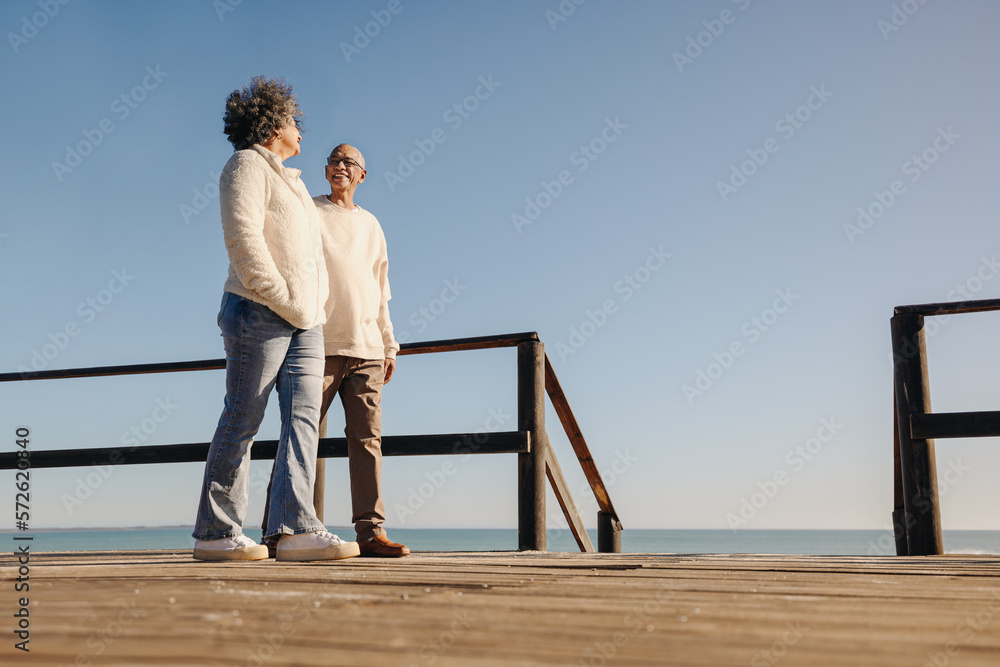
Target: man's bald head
347 150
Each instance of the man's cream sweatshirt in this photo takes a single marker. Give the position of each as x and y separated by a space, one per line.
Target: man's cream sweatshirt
357 311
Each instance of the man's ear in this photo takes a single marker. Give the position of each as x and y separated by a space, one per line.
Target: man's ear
364 173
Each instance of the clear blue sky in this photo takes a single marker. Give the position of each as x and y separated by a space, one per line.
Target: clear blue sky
739 138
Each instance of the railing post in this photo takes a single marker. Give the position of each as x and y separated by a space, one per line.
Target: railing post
898 511
919 470
609 533
319 486
531 466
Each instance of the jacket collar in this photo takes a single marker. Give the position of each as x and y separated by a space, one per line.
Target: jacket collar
272 159
290 177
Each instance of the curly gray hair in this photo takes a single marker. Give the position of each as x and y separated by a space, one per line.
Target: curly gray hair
256 111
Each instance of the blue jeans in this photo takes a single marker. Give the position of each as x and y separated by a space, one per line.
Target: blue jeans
263 350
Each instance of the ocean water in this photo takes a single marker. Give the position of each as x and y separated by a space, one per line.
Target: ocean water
819 542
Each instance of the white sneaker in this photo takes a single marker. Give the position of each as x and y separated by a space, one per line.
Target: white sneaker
240 547
318 545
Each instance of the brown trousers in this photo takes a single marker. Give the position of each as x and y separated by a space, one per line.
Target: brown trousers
359 383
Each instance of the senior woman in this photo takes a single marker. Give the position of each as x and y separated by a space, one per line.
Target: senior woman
271 319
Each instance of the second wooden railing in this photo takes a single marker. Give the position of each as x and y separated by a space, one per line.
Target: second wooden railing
916 515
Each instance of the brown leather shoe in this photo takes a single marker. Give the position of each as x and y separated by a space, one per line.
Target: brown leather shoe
381 547
272 547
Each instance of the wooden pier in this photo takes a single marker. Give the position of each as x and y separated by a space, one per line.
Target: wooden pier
508 608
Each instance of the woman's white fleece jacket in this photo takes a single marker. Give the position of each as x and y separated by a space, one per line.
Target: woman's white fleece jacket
273 237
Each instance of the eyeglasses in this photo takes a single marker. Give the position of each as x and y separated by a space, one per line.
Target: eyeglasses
348 162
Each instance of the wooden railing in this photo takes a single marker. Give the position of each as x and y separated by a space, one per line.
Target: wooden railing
916 515
535 459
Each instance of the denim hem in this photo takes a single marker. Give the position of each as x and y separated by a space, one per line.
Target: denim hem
220 537
295 532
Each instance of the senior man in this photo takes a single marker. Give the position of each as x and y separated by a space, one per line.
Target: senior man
359 346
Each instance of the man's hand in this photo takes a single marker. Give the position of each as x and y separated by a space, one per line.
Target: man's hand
390 368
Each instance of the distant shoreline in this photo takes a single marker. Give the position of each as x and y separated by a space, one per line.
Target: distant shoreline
649 540
10 531
6 531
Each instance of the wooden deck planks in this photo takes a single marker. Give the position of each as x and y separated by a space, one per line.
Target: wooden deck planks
503 608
